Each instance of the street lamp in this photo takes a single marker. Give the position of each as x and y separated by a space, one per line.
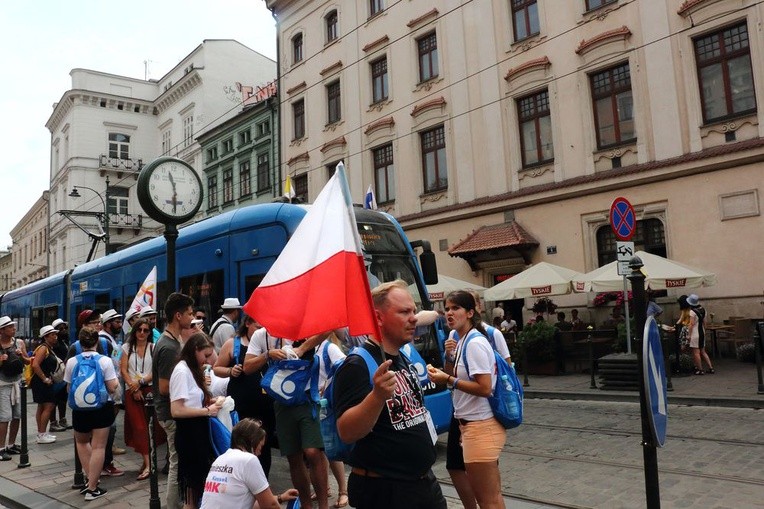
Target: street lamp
104 218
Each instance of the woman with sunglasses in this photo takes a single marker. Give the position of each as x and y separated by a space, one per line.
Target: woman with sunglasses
135 366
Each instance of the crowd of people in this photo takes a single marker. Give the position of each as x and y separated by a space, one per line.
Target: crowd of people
190 371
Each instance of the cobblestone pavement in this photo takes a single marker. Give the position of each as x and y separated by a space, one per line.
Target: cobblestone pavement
588 454
570 452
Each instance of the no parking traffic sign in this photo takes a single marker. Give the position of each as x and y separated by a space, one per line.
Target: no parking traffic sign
623 220
655 381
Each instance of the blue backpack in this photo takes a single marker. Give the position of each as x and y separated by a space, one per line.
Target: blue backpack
88 389
334 448
507 398
104 345
220 436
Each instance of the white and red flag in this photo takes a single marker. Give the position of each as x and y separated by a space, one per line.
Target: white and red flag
319 281
146 296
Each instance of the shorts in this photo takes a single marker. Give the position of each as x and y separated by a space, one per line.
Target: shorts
42 392
482 441
381 493
85 421
454 453
8 411
297 429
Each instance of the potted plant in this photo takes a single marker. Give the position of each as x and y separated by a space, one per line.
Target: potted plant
537 341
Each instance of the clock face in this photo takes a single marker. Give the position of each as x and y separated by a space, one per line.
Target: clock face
171 190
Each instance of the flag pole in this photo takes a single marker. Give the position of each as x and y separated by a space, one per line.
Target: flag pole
340 169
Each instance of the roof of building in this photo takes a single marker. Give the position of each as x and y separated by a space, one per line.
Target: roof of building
509 234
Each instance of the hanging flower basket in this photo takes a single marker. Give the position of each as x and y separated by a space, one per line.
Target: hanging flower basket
602 299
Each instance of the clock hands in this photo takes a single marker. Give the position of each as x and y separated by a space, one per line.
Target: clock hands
174 193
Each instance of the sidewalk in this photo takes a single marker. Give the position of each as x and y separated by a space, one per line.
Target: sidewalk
46 484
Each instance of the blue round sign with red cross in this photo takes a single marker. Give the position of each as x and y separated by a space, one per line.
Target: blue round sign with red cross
623 220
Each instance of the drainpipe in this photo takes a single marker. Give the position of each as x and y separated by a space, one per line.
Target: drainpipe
277 167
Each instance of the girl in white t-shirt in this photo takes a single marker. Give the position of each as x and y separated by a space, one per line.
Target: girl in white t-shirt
483 437
236 478
191 405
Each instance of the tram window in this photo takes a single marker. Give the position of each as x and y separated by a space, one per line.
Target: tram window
252 282
102 302
206 289
49 314
117 304
36 319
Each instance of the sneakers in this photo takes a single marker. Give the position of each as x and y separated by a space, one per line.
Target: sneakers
112 471
45 438
94 494
84 489
117 450
58 426
13 449
4 456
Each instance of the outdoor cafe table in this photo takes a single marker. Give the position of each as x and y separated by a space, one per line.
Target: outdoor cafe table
715 328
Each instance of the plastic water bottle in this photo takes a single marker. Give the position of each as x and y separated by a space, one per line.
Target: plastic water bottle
322 411
513 407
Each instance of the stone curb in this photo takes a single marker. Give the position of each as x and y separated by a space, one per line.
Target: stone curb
16 496
633 397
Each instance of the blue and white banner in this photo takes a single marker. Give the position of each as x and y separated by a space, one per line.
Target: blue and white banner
370 201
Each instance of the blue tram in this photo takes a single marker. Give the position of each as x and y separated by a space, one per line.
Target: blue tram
222 256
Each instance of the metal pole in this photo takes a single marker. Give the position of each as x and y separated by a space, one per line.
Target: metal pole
107 240
24 456
592 384
170 234
154 502
626 311
757 348
649 453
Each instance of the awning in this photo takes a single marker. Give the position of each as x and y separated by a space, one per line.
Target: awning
495 242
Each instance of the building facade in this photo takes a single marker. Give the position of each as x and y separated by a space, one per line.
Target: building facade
502 131
240 156
107 127
6 271
29 251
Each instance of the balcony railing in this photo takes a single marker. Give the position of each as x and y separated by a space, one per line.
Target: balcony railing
116 163
125 220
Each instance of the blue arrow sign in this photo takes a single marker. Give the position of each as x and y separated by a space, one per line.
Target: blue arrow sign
655 381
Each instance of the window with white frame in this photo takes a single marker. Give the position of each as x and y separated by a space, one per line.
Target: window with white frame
331 26
228 185
613 106
119 146
118 200
297 49
166 141
212 191
333 100
188 130
245 179
375 7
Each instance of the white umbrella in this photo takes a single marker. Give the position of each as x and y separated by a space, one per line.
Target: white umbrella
538 281
447 284
660 274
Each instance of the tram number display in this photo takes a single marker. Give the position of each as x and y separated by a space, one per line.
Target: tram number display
377 238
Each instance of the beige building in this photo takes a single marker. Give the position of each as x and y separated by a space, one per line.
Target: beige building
502 131
6 271
29 252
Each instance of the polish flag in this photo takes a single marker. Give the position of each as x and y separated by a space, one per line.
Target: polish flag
319 281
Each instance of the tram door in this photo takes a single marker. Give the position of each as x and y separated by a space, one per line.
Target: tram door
251 273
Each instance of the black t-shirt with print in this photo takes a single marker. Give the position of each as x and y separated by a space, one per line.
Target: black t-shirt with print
399 445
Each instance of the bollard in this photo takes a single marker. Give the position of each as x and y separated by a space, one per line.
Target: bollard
592 383
525 367
758 342
24 456
665 348
154 502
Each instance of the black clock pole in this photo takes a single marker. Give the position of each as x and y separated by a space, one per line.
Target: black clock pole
170 235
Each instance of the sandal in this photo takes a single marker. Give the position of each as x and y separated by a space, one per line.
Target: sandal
711 371
144 475
342 499
699 371
314 497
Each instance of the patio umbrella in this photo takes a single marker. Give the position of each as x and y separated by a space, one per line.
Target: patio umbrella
447 284
540 280
660 274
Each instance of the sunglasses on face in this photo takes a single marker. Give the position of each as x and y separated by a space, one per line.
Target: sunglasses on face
143 330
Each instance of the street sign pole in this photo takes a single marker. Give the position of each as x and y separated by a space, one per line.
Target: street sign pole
623 221
649 453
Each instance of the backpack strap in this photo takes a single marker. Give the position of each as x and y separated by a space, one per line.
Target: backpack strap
371 364
491 339
470 335
236 349
326 360
220 321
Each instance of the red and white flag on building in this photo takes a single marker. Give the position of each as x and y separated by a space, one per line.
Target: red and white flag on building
318 282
